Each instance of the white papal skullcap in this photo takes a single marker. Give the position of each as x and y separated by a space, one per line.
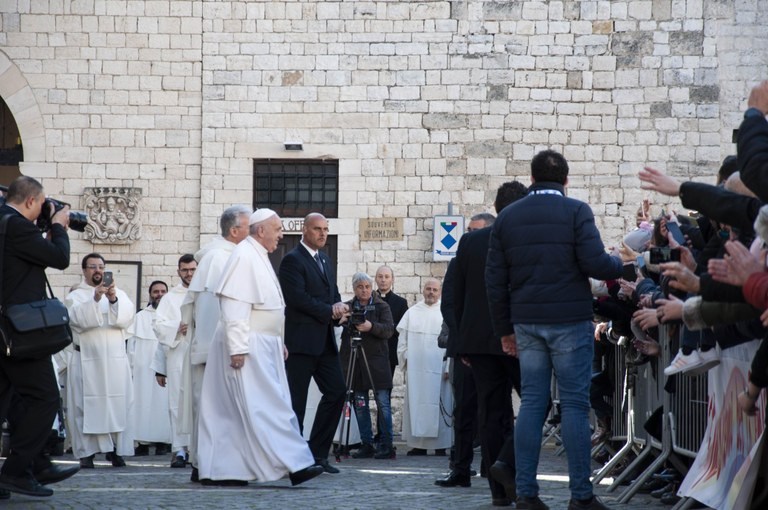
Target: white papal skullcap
260 215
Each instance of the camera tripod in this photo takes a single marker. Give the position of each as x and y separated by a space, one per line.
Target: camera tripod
356 352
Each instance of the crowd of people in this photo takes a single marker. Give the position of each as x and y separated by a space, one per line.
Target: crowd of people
216 371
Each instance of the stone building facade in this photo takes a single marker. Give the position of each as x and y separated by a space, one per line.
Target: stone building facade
421 102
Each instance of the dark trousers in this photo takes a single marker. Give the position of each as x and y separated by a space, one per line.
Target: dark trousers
34 384
465 423
326 370
495 377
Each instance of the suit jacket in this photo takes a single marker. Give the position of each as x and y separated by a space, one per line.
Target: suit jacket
470 308
447 304
398 305
26 256
309 297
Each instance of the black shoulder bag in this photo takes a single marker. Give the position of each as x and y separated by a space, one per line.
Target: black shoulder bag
32 330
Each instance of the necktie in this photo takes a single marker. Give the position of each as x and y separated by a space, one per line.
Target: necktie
319 263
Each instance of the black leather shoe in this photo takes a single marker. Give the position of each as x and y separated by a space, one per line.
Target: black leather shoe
326 466
141 450
501 501
223 483
87 462
454 479
4 494
305 474
534 503
24 485
55 473
416 451
115 459
178 462
195 476
366 451
440 452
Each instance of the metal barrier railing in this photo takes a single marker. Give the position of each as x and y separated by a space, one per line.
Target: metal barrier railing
683 423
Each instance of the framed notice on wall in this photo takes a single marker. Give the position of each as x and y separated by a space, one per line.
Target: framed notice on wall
127 275
447 232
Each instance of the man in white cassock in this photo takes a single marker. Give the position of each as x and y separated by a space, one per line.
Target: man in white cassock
169 355
247 428
428 397
200 311
150 421
99 387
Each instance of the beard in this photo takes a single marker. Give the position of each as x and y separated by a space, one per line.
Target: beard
96 279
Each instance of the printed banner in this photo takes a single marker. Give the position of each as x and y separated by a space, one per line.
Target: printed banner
447 232
723 474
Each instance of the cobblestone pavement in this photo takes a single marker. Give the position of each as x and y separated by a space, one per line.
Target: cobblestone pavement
407 483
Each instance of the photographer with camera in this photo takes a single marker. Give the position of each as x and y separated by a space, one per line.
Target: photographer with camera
369 326
26 255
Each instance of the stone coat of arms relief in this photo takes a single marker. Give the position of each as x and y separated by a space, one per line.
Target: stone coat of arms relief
113 215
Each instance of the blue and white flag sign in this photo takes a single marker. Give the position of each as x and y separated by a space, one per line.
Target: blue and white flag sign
445 240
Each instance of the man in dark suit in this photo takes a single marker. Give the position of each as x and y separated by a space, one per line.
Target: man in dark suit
313 304
494 373
464 390
385 279
32 381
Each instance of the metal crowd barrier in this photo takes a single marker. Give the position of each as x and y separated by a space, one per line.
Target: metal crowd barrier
683 423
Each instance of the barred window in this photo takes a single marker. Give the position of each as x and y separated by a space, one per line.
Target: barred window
295 187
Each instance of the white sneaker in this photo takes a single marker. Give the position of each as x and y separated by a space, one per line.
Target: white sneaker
683 363
709 359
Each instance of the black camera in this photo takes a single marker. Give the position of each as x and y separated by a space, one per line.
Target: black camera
358 316
77 220
662 254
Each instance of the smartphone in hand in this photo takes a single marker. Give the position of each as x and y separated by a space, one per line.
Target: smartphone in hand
108 279
674 229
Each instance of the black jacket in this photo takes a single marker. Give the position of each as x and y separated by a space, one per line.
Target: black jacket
471 311
26 255
398 305
447 309
542 251
721 205
752 153
309 299
375 346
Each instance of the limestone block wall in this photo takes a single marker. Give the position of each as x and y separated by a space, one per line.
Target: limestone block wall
423 103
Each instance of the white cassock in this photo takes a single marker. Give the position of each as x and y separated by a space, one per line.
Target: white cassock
169 355
150 421
425 425
247 427
99 387
200 311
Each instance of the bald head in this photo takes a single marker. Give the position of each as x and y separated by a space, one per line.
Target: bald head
432 291
314 233
384 279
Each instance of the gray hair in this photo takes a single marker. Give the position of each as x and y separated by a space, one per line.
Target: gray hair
230 217
488 218
359 277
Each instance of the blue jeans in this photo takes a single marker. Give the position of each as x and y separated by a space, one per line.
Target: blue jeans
363 414
568 349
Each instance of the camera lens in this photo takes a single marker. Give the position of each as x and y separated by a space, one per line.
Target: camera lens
78 221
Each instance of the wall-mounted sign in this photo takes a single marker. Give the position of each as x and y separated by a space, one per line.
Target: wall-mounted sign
447 232
381 229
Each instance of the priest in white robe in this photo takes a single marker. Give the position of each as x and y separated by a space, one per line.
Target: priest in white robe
99 387
247 428
150 419
200 311
169 355
427 420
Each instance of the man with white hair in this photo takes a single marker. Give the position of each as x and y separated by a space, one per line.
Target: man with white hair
247 427
200 310
428 393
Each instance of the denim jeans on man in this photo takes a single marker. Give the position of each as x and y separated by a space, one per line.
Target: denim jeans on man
363 415
567 349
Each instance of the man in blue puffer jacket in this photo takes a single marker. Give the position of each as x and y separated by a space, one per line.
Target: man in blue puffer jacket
543 249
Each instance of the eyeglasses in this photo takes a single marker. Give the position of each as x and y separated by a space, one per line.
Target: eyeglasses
94 267
186 270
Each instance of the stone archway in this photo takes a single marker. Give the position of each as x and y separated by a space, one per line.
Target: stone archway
21 101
